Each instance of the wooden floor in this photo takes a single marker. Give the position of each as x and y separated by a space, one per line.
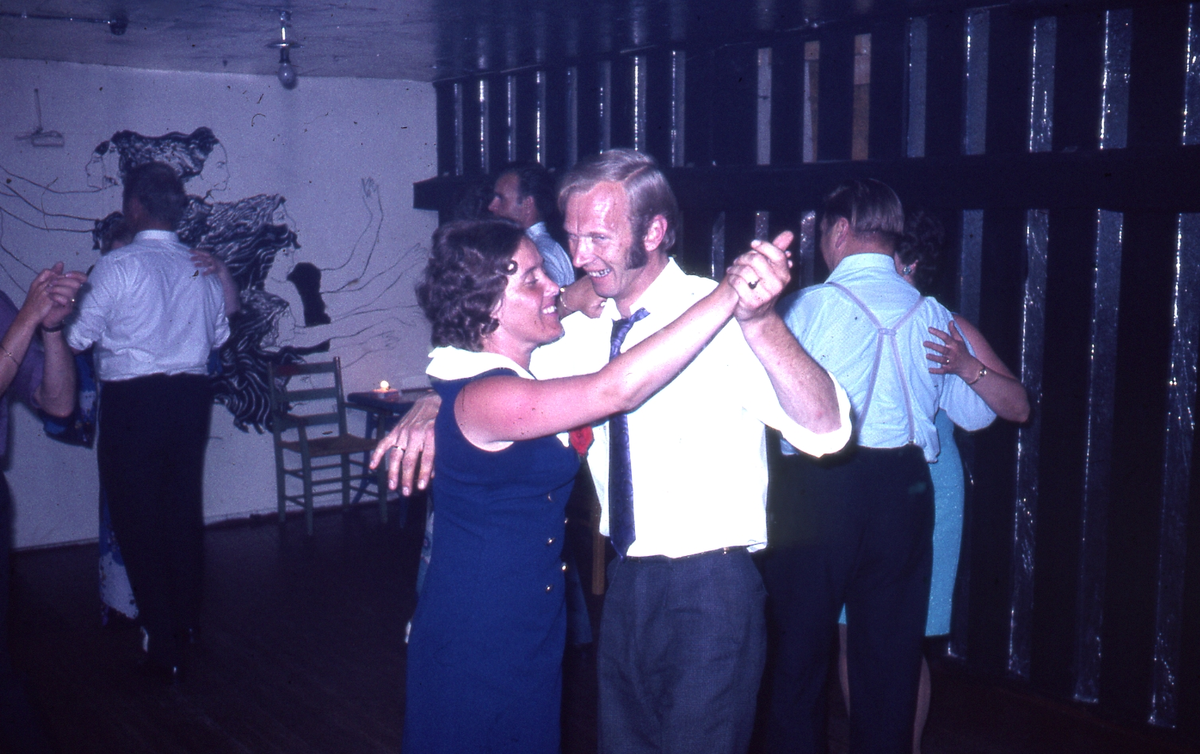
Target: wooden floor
302 653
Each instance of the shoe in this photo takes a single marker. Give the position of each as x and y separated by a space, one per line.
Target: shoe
161 672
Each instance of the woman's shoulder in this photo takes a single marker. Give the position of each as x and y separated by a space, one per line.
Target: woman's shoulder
447 390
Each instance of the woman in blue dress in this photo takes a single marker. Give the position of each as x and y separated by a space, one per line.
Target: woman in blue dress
485 651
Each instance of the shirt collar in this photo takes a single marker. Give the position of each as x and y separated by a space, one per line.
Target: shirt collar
450 363
868 261
656 296
156 235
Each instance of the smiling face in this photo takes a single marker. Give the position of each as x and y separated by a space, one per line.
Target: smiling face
602 244
527 311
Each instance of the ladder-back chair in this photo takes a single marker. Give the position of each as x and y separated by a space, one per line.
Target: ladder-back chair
308 421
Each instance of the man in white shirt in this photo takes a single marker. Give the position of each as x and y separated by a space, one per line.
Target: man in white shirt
154 319
524 193
682 636
856 529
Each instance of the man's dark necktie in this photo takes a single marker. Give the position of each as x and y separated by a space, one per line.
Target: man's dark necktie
620 473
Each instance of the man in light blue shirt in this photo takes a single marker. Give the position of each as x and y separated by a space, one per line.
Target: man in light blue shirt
525 193
856 529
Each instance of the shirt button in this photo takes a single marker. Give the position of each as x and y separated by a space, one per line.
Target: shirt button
566 521
549 587
550 541
564 567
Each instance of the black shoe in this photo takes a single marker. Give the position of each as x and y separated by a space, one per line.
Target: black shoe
162 672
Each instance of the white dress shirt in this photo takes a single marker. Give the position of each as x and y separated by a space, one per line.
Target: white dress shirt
698 446
150 311
835 332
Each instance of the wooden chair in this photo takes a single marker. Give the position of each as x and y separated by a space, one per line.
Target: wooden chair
309 420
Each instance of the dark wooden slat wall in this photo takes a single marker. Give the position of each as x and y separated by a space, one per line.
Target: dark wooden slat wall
1150 182
787 103
889 46
1064 425
944 87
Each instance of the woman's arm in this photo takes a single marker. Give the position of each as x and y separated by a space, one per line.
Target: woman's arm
495 411
211 264
50 299
995 384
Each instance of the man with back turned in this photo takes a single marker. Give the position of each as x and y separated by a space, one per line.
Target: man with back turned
154 319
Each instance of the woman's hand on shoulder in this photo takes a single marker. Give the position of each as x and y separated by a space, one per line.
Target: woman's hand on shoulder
409 447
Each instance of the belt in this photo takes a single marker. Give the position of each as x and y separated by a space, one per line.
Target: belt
693 556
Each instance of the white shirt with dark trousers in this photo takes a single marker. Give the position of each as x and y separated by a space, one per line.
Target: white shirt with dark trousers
683 635
154 319
856 529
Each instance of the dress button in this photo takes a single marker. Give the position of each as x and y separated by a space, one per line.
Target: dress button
550 541
566 521
564 567
549 587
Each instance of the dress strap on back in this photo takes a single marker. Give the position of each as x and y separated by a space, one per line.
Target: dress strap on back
885 335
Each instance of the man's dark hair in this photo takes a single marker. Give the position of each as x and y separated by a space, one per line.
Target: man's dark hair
645 186
536 181
870 207
158 189
465 277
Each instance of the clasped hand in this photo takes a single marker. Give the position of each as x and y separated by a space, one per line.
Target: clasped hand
760 275
52 295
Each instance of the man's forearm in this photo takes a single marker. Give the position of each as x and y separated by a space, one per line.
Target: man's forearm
804 389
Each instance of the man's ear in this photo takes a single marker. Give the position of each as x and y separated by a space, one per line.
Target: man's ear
840 231
655 233
529 210
133 210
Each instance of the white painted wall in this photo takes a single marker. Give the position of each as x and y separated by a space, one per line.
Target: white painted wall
344 152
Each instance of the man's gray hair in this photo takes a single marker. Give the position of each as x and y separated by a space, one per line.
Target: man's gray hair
871 208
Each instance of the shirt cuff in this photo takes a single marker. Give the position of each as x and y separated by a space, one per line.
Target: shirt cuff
821 444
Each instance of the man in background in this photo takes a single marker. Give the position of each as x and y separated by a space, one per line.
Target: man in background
154 320
856 528
524 193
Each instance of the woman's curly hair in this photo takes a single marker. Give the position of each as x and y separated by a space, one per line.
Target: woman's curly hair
465 277
921 243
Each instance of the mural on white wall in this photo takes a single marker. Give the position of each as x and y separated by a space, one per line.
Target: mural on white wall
249 234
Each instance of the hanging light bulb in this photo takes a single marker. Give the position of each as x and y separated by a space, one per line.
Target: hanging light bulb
287 71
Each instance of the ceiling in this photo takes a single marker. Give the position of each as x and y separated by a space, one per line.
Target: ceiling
418 40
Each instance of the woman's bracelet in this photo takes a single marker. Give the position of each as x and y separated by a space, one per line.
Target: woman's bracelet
10 356
983 371
55 328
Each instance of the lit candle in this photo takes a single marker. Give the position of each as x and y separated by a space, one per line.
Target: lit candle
386 391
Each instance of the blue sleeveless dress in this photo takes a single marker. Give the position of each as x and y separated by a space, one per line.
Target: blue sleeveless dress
486 648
